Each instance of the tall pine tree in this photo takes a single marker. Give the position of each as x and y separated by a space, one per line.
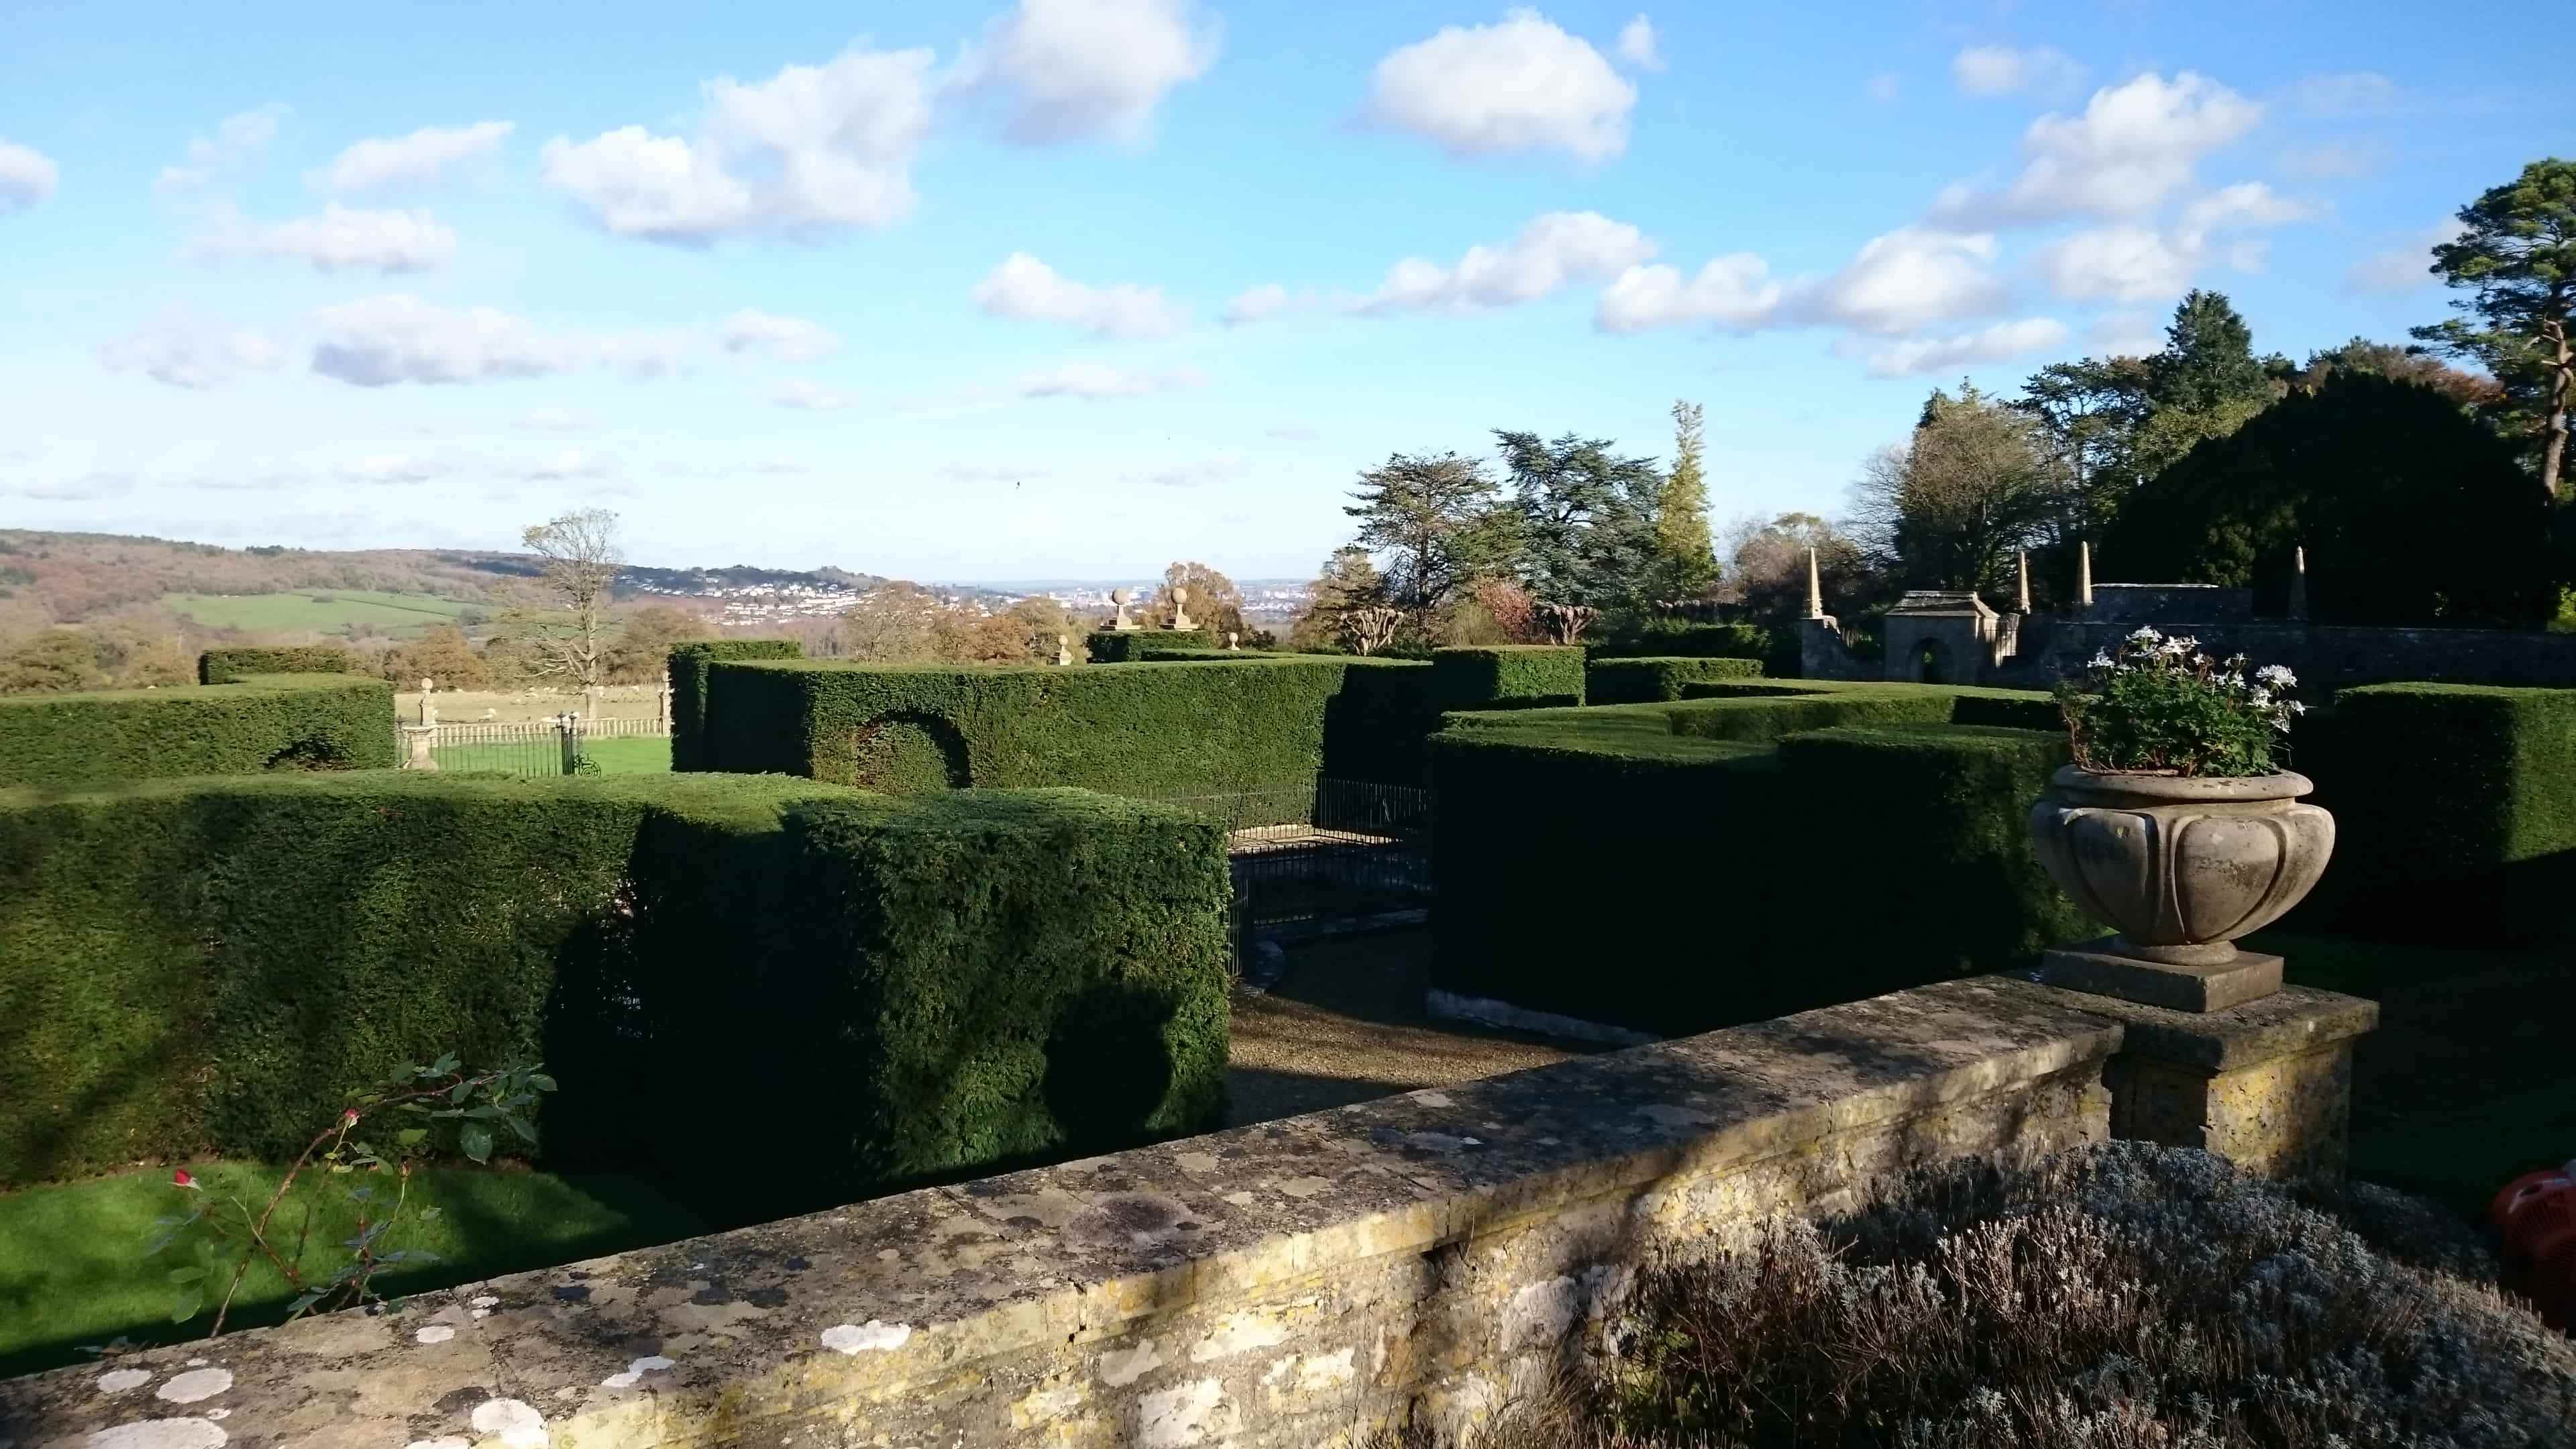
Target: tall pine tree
1686 556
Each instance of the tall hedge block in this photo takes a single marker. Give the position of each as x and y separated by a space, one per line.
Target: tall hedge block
1646 681
1132 646
1023 972
1677 867
1507 676
227 666
2454 806
775 990
265 722
1179 728
688 671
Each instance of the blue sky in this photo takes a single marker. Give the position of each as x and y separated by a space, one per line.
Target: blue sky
1077 287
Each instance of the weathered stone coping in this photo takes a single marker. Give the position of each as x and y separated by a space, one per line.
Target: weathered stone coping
1135 1297
2291 1020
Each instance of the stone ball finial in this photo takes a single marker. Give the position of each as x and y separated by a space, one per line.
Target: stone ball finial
1121 596
1180 595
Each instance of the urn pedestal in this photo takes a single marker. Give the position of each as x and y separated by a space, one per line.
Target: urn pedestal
2181 867
2216 1053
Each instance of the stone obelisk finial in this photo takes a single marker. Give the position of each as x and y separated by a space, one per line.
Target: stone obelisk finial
1815 589
2299 582
2021 591
2083 575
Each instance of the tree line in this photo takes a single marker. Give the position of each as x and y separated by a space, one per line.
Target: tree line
2426 481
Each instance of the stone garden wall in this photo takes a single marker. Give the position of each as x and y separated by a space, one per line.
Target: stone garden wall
1432 1256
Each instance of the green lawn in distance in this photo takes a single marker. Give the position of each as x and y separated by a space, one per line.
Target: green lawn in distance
542 754
323 611
2468 1082
73 1270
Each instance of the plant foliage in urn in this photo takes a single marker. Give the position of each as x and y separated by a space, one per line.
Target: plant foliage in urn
2174 824
2162 706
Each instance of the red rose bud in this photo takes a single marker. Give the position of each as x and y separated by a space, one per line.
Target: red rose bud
181 1178
349 1118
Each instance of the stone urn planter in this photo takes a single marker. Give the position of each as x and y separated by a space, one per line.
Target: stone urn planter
2181 866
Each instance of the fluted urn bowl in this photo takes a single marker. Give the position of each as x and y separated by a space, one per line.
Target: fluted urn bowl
2181 867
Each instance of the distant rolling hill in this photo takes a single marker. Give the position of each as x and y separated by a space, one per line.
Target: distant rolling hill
74 577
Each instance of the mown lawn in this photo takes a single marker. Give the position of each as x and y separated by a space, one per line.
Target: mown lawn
2470 1079
73 1269
543 755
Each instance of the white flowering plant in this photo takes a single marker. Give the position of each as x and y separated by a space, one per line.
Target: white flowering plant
2163 706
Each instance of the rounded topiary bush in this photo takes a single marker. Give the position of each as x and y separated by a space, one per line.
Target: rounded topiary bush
909 754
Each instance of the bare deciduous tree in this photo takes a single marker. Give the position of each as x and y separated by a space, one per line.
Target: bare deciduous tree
581 559
1367 630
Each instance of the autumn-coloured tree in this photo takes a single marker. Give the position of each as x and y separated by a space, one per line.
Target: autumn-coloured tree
440 654
1215 604
644 640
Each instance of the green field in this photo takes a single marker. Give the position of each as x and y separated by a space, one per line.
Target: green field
543 755
321 611
73 1269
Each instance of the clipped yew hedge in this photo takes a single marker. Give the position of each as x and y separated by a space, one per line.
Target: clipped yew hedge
773 992
1646 681
1240 724
1675 868
2455 810
227 666
263 722
1507 676
1130 646
688 670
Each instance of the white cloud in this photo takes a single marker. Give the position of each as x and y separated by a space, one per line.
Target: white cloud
418 157
1906 279
2404 267
341 237
1999 343
1024 287
392 468
1098 380
781 339
2000 70
27 177
810 149
2127 334
1522 84
236 140
2135 145
1553 250
1084 68
2117 263
569 463
395 338
1224 468
185 351
1254 303
1638 45
2345 93
1732 291
2245 205
2131 263
812 397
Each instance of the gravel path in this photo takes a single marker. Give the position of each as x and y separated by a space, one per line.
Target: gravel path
1346 1024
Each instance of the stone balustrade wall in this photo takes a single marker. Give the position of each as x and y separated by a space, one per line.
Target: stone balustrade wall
1433 1256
